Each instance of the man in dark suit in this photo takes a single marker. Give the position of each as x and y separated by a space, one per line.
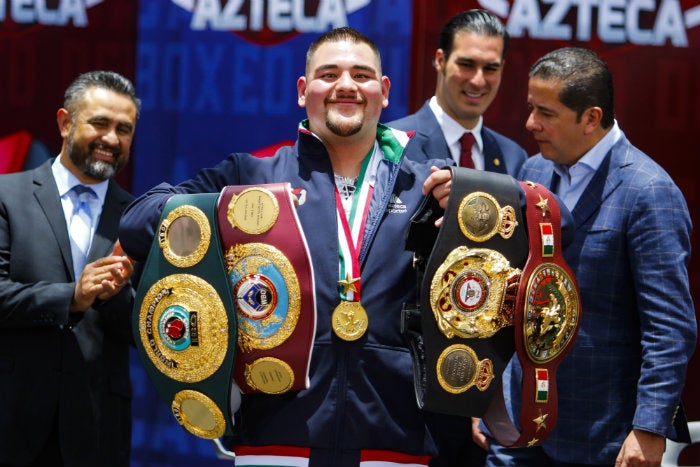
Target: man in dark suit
469 63
64 328
620 386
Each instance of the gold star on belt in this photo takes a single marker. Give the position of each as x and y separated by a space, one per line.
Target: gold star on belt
543 205
540 421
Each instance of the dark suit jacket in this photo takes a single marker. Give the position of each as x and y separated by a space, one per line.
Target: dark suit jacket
55 367
501 154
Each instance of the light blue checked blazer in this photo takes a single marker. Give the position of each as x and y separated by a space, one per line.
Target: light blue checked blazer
638 330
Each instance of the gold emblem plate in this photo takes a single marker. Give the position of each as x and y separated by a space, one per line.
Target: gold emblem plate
459 368
254 210
184 236
198 414
349 320
184 328
266 293
269 375
552 312
472 293
481 217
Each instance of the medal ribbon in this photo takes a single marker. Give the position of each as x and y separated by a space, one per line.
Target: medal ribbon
352 227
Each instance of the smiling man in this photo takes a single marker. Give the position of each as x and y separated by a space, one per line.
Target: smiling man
359 408
65 300
469 63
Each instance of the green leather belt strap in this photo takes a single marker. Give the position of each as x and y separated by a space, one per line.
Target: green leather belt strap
184 322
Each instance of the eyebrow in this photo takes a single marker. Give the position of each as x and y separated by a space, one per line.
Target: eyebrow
472 60
333 66
102 118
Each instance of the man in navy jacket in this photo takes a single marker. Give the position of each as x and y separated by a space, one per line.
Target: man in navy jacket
360 405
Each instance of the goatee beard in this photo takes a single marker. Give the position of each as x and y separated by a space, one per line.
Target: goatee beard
345 128
93 168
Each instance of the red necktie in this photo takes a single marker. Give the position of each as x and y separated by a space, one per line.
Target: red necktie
465 159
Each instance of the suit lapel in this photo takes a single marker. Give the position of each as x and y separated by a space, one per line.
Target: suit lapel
46 194
605 181
435 148
493 159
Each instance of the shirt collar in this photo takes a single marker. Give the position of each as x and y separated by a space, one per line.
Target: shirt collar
451 128
595 156
65 181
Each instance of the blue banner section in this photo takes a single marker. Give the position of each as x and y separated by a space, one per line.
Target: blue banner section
216 80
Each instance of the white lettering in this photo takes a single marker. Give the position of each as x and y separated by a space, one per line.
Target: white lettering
524 16
278 15
331 14
617 21
257 11
584 19
669 25
611 21
54 14
637 35
553 27
22 12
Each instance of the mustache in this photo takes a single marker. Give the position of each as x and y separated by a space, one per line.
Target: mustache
345 98
116 151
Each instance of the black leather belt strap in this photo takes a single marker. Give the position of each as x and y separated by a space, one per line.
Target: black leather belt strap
465 286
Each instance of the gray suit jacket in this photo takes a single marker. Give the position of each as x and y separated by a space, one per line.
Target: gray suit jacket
53 365
501 154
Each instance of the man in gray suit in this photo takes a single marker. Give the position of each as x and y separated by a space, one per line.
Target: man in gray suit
469 62
64 327
619 388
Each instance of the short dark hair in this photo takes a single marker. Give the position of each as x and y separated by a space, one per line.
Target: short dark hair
480 22
100 79
587 81
344 33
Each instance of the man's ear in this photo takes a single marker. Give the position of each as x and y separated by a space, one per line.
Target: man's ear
591 118
301 91
63 118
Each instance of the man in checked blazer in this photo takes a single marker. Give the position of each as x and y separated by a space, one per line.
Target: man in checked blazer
64 333
620 386
469 63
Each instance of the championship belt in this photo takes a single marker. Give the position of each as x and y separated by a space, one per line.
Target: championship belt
270 276
468 294
183 321
546 324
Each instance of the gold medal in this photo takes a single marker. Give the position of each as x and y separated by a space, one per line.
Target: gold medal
349 320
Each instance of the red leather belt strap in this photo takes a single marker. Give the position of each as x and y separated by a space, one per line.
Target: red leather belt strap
546 323
271 279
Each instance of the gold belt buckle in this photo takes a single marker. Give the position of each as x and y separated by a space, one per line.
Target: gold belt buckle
472 293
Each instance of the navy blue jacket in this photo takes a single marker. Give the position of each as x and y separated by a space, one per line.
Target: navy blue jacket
361 394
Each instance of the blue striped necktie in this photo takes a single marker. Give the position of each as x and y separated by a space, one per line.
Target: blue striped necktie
80 228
